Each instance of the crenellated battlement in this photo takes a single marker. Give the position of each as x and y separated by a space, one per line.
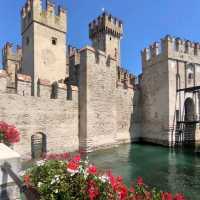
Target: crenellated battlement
11 53
72 50
106 23
98 56
46 89
171 47
51 16
125 79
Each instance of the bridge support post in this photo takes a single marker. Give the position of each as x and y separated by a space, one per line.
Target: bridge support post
8 188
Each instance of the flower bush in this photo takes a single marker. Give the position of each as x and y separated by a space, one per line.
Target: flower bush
8 134
63 177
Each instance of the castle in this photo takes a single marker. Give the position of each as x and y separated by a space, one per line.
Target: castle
66 99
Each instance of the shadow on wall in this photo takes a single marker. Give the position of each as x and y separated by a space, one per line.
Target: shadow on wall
135 120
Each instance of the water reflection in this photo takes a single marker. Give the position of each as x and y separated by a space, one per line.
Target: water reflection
167 169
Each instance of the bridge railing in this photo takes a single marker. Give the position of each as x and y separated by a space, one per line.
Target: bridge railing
29 193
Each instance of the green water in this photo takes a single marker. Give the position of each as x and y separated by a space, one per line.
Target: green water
166 169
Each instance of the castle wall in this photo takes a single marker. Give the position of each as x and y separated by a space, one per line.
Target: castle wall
56 118
107 115
126 99
155 103
24 85
98 105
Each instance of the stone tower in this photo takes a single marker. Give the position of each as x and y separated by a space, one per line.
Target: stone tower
105 33
43 42
170 99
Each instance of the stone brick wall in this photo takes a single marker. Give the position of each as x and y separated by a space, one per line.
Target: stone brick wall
155 103
99 102
124 114
106 112
57 119
3 81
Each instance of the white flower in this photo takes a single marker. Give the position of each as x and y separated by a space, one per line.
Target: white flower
39 184
56 179
40 163
72 171
56 191
104 178
86 161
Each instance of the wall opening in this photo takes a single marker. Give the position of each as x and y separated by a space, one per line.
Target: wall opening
38 145
189 110
54 91
190 126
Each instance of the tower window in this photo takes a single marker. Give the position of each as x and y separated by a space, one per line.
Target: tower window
190 76
54 41
29 15
110 38
27 41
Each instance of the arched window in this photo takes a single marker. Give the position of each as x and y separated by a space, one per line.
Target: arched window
38 145
189 110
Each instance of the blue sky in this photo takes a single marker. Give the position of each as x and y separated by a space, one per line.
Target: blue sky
145 21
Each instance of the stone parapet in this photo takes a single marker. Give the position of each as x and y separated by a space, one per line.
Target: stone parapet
106 23
33 11
125 79
171 48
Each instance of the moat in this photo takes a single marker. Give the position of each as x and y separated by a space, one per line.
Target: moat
166 169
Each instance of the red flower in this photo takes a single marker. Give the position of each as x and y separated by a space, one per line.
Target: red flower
93 190
72 166
3 127
27 180
119 179
166 196
179 197
76 158
140 181
122 191
92 170
12 135
132 189
111 178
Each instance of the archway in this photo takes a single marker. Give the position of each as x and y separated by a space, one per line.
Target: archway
189 110
190 126
38 145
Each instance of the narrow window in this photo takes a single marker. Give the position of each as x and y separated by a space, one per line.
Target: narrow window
190 76
27 41
54 41
177 115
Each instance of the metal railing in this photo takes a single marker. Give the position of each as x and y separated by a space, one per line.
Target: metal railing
30 193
